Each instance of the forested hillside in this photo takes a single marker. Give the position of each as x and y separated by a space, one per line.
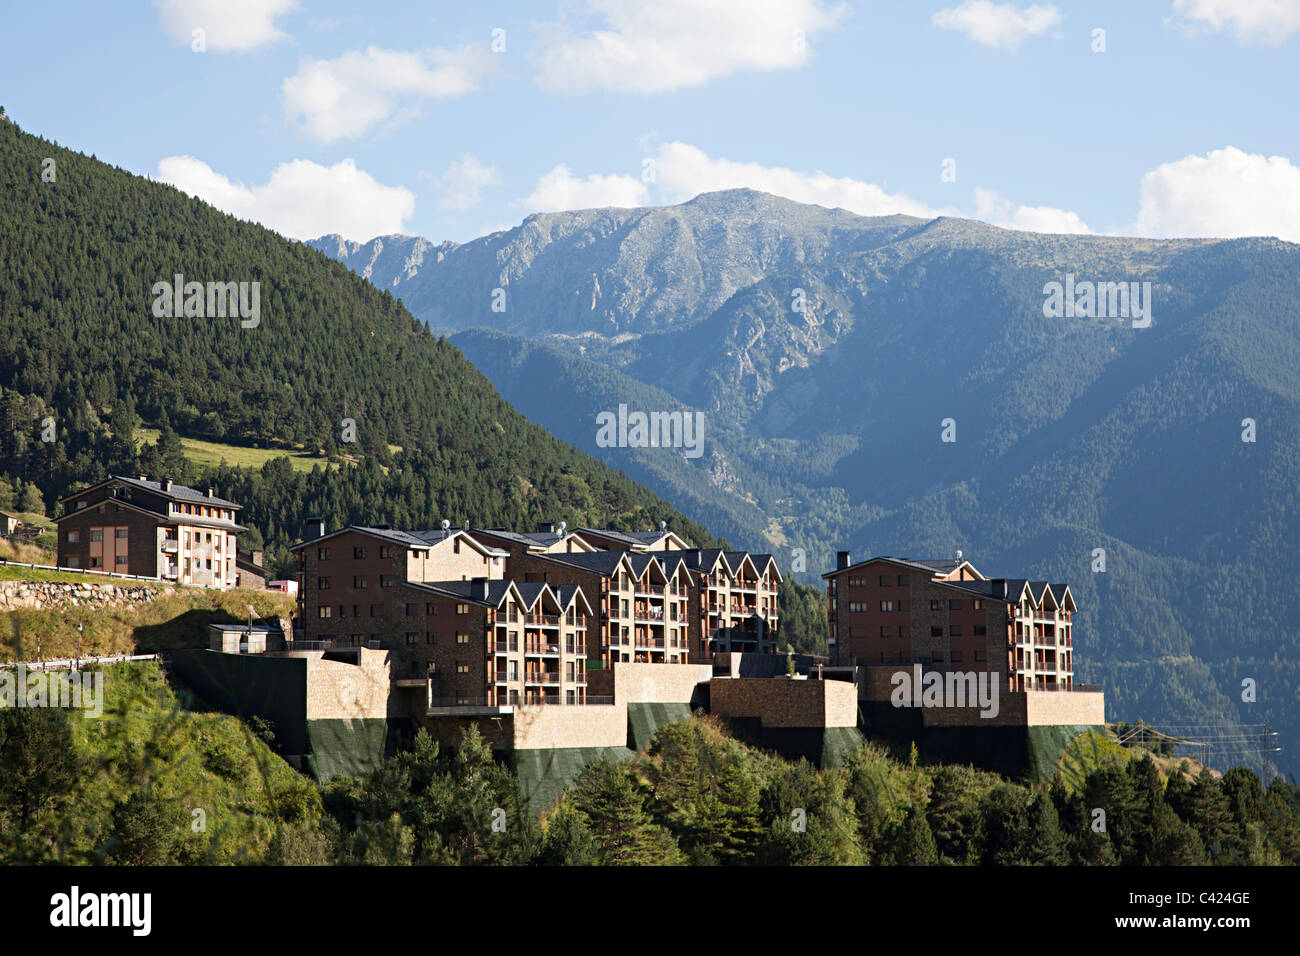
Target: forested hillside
84 362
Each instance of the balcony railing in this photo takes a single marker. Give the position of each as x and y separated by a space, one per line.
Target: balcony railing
486 701
546 650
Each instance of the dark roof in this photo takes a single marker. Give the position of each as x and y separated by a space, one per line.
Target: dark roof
177 493
601 562
700 559
931 565
543 539
467 590
645 538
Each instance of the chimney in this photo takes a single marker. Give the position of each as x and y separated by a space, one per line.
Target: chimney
546 527
841 560
167 485
144 477
478 588
1000 587
210 494
315 529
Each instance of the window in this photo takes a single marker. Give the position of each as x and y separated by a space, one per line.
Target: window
121 533
359 554
358 580
954 630
884 580
936 605
462 667
904 631
462 608
936 630
74 562
325 611
936 657
978 604
322 554
904 580
431 609
412 610
386 580
385 551
120 559
981 656
74 537
322 584
412 637
356 610
343 610
428 637
358 640
376 610
981 630
886 632
95 562
462 638
902 605
954 605
886 605
956 657
96 534
80 505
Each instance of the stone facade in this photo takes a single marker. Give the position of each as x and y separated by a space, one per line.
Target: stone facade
56 594
339 690
785 702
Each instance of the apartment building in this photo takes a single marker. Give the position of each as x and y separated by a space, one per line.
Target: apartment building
733 602
348 579
152 529
946 615
639 601
500 643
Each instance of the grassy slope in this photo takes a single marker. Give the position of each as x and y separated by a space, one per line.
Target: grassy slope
237 456
177 617
205 761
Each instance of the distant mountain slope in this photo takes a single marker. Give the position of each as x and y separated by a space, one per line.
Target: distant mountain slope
84 357
824 422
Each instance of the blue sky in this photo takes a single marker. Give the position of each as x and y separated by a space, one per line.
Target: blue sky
312 117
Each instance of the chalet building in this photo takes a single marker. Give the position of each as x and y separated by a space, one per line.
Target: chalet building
9 524
946 615
639 602
733 603
249 572
152 529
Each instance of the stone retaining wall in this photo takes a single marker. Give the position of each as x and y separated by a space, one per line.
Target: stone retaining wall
58 594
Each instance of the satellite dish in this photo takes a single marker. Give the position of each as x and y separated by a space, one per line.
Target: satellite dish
663 526
445 524
562 525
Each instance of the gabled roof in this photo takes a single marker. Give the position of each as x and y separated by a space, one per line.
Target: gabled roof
182 493
933 566
164 519
416 540
638 539
467 591
605 563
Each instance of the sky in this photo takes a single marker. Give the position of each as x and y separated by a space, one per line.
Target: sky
452 120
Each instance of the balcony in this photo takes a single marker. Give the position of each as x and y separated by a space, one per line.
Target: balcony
653 590
542 620
540 677
170 545
532 649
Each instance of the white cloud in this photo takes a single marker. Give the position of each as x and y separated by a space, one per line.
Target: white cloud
670 44
302 200
463 181
228 25
345 97
1250 21
1226 193
993 208
683 171
560 189
997 24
